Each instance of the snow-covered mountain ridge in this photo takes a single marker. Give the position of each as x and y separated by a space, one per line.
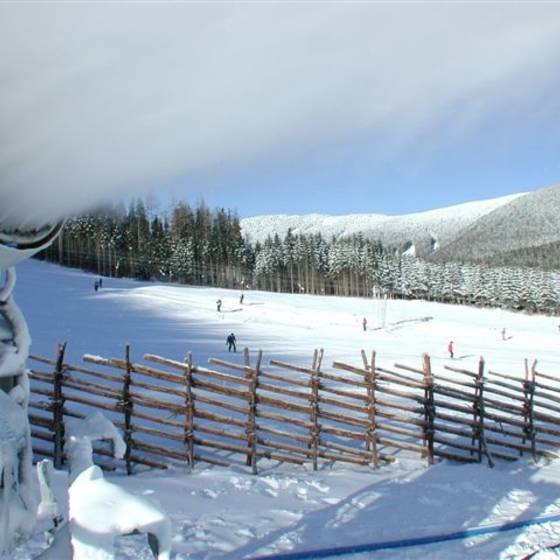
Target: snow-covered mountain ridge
525 231
427 230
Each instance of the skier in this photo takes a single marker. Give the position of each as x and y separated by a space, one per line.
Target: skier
364 324
450 348
242 297
230 341
100 283
96 285
504 333
219 305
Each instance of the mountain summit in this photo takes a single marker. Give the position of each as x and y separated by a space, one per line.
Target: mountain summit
521 229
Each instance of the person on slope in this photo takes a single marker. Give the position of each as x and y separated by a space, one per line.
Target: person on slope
450 348
504 333
241 298
230 341
364 324
219 305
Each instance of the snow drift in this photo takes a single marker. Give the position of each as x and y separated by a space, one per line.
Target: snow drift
99 510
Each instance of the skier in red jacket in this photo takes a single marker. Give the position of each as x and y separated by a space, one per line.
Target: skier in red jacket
450 348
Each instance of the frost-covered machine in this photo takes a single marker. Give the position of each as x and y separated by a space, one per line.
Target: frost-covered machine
17 507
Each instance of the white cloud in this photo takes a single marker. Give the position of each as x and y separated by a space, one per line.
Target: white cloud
103 98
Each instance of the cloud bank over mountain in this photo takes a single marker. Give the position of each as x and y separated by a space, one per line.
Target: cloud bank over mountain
101 99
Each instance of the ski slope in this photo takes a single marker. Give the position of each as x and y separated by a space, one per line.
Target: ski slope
61 305
227 513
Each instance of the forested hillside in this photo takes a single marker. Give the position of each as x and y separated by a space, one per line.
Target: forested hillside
525 232
425 230
516 230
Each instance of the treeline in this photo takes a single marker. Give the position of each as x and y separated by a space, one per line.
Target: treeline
360 267
206 247
189 245
311 264
515 288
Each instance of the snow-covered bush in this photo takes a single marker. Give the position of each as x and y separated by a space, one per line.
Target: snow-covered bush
99 510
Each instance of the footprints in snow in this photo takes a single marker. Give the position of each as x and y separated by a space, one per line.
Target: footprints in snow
350 510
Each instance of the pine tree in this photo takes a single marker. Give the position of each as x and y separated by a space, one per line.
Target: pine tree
181 263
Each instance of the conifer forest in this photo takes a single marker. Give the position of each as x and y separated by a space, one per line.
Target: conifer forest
202 246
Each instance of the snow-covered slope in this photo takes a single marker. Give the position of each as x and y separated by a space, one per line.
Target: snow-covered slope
525 224
222 513
423 229
60 305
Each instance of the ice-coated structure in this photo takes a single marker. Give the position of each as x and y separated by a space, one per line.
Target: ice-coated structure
17 503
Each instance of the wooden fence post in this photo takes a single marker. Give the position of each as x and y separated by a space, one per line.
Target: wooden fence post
251 431
314 384
479 415
58 408
253 388
531 404
429 408
189 413
476 412
371 435
127 409
528 412
525 400
247 364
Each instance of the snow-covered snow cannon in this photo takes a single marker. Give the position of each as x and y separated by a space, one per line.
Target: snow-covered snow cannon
17 505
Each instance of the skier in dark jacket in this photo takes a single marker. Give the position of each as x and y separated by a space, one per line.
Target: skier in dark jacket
230 341
219 305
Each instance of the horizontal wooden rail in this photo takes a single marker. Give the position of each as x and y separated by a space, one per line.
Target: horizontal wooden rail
170 409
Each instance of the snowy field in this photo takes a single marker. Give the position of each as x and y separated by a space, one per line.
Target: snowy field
227 513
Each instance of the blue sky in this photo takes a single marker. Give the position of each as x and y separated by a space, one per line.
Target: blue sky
424 175
276 107
512 150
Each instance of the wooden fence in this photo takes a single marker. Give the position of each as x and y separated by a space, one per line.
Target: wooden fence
245 412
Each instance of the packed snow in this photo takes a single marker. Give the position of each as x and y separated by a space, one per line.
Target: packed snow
100 510
229 513
81 433
95 511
